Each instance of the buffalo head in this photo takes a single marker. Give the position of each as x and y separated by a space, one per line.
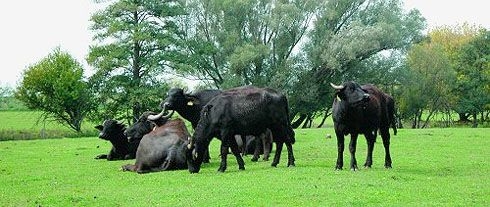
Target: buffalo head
193 163
143 126
176 98
110 128
351 92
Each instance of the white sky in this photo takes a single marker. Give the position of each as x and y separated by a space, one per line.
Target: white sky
30 30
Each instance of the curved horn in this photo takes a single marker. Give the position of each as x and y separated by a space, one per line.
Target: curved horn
158 116
337 87
169 115
155 117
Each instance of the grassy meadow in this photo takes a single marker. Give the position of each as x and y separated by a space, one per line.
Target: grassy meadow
431 167
22 125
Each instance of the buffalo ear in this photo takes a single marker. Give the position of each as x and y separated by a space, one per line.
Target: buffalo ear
99 127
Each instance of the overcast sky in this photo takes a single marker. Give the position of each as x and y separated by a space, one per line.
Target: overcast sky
32 29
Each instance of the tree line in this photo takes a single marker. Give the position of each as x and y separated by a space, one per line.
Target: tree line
295 46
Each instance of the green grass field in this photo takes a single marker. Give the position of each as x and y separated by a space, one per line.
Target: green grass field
21 125
431 167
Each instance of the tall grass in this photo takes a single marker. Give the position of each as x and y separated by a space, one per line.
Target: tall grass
431 167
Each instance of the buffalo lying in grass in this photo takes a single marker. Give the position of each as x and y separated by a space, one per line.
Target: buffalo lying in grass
113 131
124 141
162 149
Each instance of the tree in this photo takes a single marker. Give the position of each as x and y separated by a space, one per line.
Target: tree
345 34
55 86
451 39
137 45
8 101
232 43
429 88
473 76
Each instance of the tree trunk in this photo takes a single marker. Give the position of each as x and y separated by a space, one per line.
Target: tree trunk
400 122
324 118
414 122
136 111
463 117
308 122
428 118
475 120
298 122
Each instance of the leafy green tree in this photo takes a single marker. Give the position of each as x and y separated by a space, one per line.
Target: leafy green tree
55 85
473 76
232 43
8 101
452 39
429 89
347 33
137 46
5 92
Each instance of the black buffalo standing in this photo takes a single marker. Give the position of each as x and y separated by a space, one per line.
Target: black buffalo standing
362 110
162 149
189 106
245 110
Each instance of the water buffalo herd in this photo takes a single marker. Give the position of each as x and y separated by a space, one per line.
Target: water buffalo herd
246 120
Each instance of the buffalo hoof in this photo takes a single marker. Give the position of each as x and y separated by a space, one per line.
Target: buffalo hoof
291 164
274 164
128 157
255 159
338 169
266 159
354 169
388 166
241 168
100 157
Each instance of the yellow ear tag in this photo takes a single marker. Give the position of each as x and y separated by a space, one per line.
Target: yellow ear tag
190 103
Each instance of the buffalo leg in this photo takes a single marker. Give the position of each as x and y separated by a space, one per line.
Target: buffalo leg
129 167
206 156
267 144
290 154
256 156
167 163
385 135
352 150
277 156
340 151
224 154
370 139
102 156
236 151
